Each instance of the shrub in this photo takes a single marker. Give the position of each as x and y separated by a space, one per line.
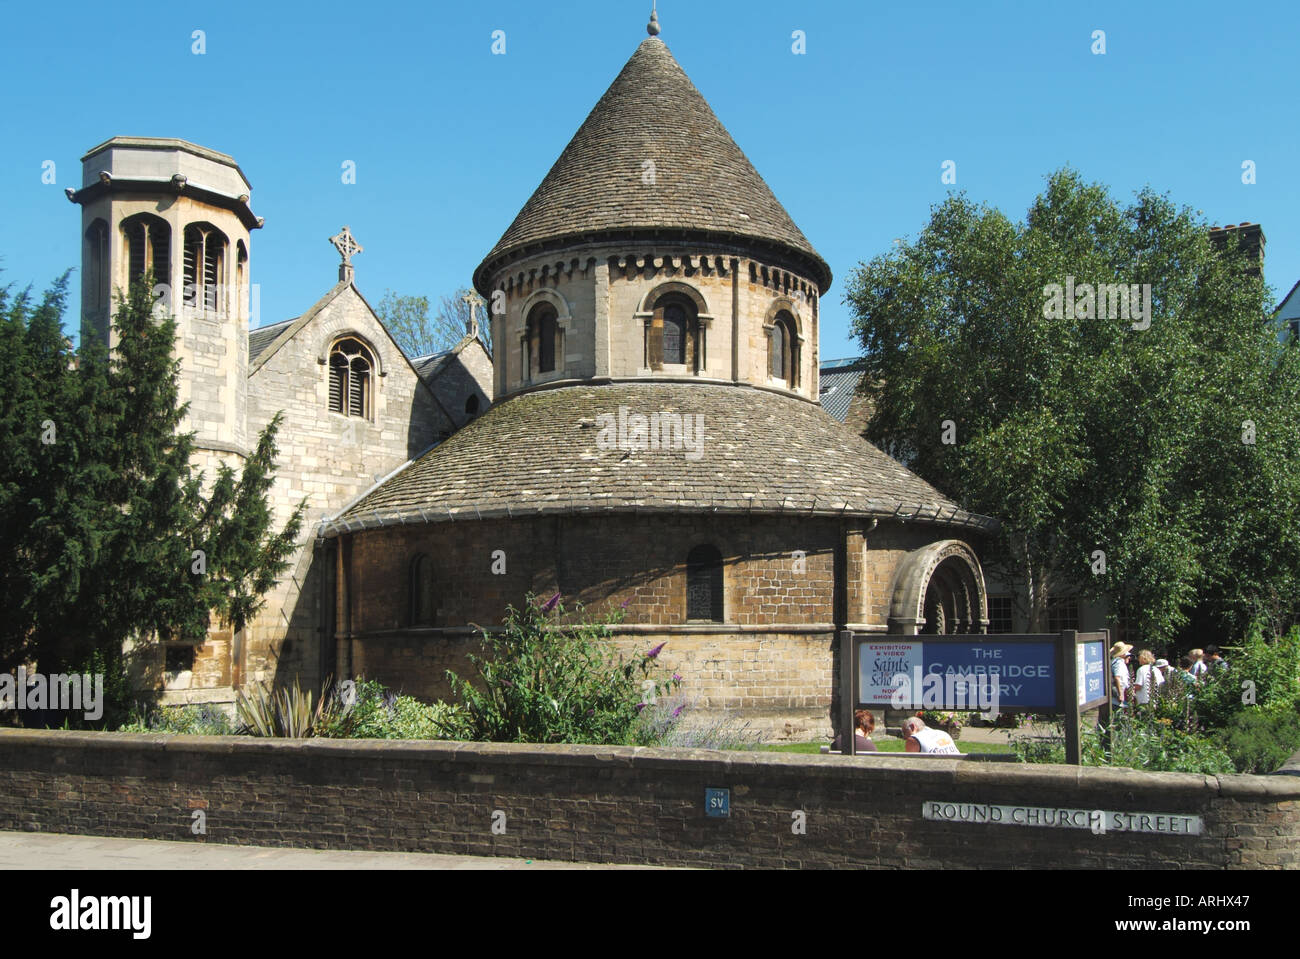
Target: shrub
671 723
366 710
542 680
1142 741
1261 740
281 713
1272 670
202 720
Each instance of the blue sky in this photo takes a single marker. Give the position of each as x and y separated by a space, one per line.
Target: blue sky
450 140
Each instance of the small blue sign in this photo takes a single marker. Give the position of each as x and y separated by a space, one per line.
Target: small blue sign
717 803
1092 672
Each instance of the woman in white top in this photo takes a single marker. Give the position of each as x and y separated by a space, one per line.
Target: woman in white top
1199 668
1119 681
1148 678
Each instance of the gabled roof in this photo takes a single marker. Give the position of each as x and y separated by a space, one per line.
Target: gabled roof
839 385
262 337
702 183
761 452
1287 299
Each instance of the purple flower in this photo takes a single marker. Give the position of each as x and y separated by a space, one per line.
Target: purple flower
551 603
676 678
654 653
678 711
640 706
623 605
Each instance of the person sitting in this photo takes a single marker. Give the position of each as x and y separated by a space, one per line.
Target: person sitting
1149 679
865 725
922 739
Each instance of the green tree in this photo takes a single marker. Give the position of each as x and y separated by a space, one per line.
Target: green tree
1173 449
419 334
106 531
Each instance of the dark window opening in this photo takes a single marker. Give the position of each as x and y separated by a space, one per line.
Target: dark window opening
704 584
471 405
421 591
1062 614
180 659
1001 614
674 334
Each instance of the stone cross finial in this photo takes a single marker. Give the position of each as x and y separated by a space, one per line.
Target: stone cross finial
475 301
348 247
653 28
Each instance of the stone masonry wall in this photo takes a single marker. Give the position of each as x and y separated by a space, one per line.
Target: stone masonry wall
625 805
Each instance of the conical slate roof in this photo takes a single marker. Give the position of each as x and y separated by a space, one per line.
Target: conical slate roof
703 184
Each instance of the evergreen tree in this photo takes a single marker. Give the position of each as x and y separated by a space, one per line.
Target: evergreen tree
106 531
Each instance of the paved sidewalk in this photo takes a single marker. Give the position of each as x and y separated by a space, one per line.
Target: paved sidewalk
28 850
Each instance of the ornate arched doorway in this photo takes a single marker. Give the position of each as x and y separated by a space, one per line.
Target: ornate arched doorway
939 589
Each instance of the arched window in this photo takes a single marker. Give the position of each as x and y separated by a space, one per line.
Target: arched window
205 263
543 330
704 584
471 405
97 287
241 275
351 378
778 351
148 248
673 336
783 347
422 610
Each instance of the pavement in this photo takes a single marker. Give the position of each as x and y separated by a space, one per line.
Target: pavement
26 850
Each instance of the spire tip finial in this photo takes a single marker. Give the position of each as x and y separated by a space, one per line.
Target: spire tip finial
653 27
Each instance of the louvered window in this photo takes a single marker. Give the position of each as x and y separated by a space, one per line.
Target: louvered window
205 255
148 248
97 285
351 379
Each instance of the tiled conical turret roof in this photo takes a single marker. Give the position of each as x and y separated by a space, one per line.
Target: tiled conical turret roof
701 183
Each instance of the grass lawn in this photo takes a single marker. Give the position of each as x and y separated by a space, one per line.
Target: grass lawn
885 746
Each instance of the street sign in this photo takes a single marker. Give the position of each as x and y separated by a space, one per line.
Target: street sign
717 803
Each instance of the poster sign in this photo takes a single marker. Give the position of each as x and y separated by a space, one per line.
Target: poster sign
981 675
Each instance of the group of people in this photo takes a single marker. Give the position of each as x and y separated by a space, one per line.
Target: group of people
1139 689
918 737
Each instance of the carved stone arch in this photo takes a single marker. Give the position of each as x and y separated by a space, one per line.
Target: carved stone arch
784 303
648 302
350 333
563 315
947 575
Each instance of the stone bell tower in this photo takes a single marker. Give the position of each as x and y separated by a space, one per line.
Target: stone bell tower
181 212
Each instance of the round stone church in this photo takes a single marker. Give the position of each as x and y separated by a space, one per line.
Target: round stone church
655 443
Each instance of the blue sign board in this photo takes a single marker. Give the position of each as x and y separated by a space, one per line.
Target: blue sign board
717 803
958 675
1091 672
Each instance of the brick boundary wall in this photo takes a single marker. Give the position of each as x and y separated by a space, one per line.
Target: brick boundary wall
624 805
